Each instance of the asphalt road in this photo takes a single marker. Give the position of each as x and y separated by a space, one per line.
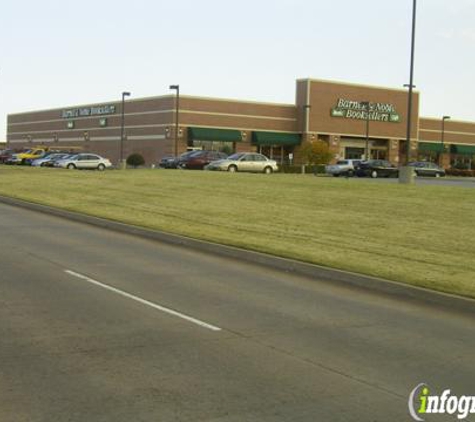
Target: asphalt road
463 182
101 326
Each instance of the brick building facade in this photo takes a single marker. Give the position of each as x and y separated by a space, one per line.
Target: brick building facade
356 121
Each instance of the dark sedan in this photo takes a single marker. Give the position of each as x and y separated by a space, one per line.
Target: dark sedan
5 155
199 159
377 168
423 168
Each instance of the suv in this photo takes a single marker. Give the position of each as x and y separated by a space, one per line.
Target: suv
343 167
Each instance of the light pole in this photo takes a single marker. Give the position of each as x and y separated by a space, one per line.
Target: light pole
406 174
442 149
444 118
177 109
121 154
366 105
411 85
306 109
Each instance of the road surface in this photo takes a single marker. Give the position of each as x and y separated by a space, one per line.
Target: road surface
101 326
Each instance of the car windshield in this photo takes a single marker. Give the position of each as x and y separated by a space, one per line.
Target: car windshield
236 156
342 162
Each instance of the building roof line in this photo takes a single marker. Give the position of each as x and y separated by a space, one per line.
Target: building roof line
333 82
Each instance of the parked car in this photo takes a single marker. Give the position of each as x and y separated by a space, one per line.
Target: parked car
343 168
84 161
423 168
168 162
53 160
6 154
26 157
377 168
47 159
197 160
245 161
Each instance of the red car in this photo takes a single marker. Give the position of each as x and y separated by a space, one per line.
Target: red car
199 159
5 155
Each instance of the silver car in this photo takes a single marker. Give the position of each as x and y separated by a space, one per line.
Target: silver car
343 168
84 161
244 161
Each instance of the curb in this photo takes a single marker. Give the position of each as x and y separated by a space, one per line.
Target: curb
323 274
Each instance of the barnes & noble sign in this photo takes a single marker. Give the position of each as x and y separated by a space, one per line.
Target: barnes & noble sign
88 111
358 110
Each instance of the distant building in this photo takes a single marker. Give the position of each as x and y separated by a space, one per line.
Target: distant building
355 120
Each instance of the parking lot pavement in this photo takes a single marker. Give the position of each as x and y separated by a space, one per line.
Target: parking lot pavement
467 182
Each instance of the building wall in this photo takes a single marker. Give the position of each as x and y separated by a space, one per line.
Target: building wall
455 132
325 110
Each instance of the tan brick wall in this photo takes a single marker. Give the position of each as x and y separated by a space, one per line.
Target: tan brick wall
324 97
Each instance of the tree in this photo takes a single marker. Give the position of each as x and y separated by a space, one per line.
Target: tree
135 160
317 152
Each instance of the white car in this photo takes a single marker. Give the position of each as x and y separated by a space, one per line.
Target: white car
343 167
84 161
245 161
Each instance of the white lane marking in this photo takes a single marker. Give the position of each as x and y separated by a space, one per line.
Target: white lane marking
144 302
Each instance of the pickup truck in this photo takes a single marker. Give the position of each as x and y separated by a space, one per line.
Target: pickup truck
22 157
343 168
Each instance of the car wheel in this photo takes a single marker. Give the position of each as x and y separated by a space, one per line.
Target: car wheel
336 175
268 170
374 174
70 166
232 169
101 167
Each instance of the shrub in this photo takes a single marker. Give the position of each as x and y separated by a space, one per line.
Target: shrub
135 160
316 152
460 173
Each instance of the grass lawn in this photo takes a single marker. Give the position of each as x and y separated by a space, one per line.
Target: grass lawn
419 235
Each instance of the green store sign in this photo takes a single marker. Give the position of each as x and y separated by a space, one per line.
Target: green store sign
358 110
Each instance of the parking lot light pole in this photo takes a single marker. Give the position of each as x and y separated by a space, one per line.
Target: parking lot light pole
177 110
121 153
366 106
406 173
444 118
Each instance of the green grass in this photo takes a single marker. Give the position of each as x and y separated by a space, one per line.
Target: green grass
419 235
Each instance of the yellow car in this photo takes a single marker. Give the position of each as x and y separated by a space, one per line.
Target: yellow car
30 155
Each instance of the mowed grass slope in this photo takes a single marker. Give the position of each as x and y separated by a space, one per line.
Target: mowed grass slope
420 235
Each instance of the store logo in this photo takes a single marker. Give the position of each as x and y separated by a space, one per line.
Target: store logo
88 111
359 110
422 403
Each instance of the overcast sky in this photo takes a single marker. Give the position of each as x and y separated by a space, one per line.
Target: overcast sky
62 53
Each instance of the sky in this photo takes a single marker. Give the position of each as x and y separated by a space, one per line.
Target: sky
56 54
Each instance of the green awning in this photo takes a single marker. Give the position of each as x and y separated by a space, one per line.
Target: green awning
210 134
463 149
275 138
431 147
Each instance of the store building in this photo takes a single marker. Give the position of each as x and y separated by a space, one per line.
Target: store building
356 121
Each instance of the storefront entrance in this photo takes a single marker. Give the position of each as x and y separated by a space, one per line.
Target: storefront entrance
277 153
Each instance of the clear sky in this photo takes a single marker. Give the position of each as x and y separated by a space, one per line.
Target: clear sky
62 53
